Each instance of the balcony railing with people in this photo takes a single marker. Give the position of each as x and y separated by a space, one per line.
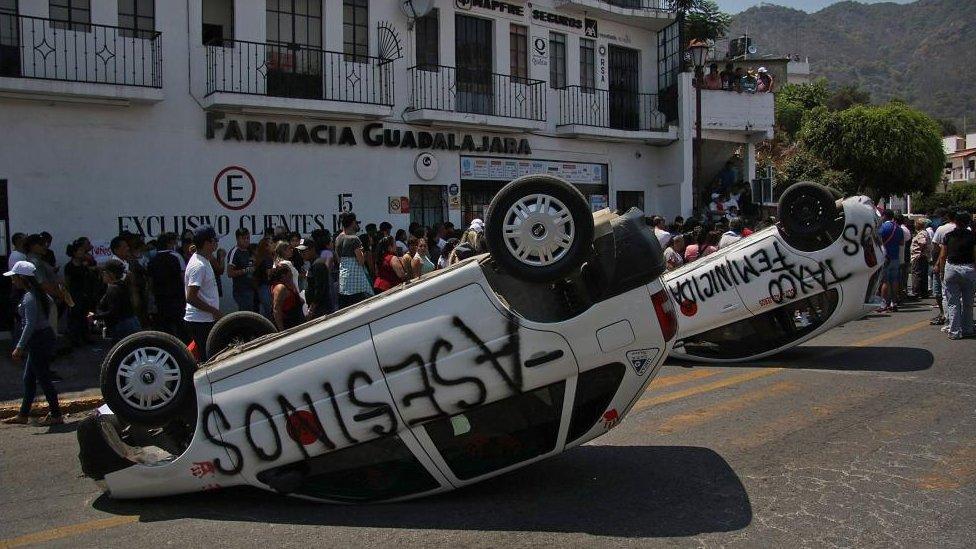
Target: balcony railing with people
617 110
297 72
476 91
52 49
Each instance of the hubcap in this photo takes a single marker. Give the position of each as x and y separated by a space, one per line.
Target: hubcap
148 378
538 230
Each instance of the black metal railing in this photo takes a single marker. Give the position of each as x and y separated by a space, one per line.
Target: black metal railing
298 72
471 90
656 5
52 49
616 110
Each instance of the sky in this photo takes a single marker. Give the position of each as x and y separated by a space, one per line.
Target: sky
735 6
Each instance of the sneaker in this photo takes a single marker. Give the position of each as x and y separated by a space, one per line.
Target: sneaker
944 329
955 337
937 321
17 420
51 420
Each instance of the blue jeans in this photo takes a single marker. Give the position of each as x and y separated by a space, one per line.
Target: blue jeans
959 284
244 299
264 301
37 371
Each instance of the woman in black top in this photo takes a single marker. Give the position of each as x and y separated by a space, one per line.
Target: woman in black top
115 308
959 277
78 278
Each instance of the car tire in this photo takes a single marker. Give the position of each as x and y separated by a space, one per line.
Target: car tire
807 209
539 246
147 379
237 328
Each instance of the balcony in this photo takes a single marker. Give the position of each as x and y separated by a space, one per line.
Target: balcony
274 78
747 115
471 97
611 115
49 59
648 14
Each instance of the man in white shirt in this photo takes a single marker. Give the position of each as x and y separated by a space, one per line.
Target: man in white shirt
17 253
663 236
733 235
938 239
202 298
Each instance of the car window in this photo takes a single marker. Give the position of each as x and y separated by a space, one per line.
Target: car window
380 469
500 434
594 391
766 331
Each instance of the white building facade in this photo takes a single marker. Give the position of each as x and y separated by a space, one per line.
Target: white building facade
143 116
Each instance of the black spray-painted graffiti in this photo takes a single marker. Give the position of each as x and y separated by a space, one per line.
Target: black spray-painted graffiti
790 279
305 426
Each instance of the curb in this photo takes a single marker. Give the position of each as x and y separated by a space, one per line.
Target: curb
69 406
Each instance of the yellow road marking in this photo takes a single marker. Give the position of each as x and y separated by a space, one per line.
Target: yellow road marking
67 531
703 415
891 335
668 381
647 402
955 471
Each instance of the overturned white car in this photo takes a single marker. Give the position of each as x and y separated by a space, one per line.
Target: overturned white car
817 268
494 363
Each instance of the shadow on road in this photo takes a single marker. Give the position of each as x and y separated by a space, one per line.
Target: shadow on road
853 359
627 491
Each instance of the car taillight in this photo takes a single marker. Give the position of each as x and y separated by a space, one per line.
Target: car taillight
666 316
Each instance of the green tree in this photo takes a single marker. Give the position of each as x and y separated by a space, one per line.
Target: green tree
847 96
948 127
888 150
794 101
705 21
799 164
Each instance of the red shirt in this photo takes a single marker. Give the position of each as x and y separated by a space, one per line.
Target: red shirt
386 277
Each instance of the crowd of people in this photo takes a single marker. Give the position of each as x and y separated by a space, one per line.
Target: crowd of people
174 283
738 79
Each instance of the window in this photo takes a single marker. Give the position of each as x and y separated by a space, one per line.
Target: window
428 204
218 22
294 57
594 391
630 199
519 51
380 469
764 332
355 28
137 18
70 14
500 434
557 60
428 41
295 22
587 65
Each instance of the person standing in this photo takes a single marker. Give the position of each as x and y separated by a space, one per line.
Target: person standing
115 308
202 299
35 344
284 252
891 239
263 263
286 303
921 249
674 253
166 276
938 240
733 235
318 294
354 282
78 283
663 236
956 263
389 268
240 269
18 249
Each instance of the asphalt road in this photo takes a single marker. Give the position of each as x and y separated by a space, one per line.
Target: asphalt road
864 437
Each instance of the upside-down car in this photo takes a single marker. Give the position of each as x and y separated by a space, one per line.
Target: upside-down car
817 268
494 363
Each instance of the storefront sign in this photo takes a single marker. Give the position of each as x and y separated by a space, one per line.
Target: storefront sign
426 166
540 51
557 19
454 196
591 30
507 169
372 135
491 5
602 50
598 202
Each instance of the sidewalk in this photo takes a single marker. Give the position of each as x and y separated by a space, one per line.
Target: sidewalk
79 391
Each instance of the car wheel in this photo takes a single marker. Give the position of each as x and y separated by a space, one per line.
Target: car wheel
237 328
539 228
147 379
807 209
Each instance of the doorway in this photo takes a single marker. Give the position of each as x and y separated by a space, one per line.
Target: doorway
473 62
624 83
294 56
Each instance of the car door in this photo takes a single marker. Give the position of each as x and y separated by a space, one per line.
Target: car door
480 392
706 294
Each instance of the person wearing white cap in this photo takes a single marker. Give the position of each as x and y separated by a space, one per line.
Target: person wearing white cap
35 344
764 81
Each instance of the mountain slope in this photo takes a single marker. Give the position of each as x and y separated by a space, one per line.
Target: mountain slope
923 53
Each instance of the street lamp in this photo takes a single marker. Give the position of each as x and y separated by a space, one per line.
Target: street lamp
699 50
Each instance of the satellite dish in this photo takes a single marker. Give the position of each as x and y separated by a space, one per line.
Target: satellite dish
416 8
753 50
